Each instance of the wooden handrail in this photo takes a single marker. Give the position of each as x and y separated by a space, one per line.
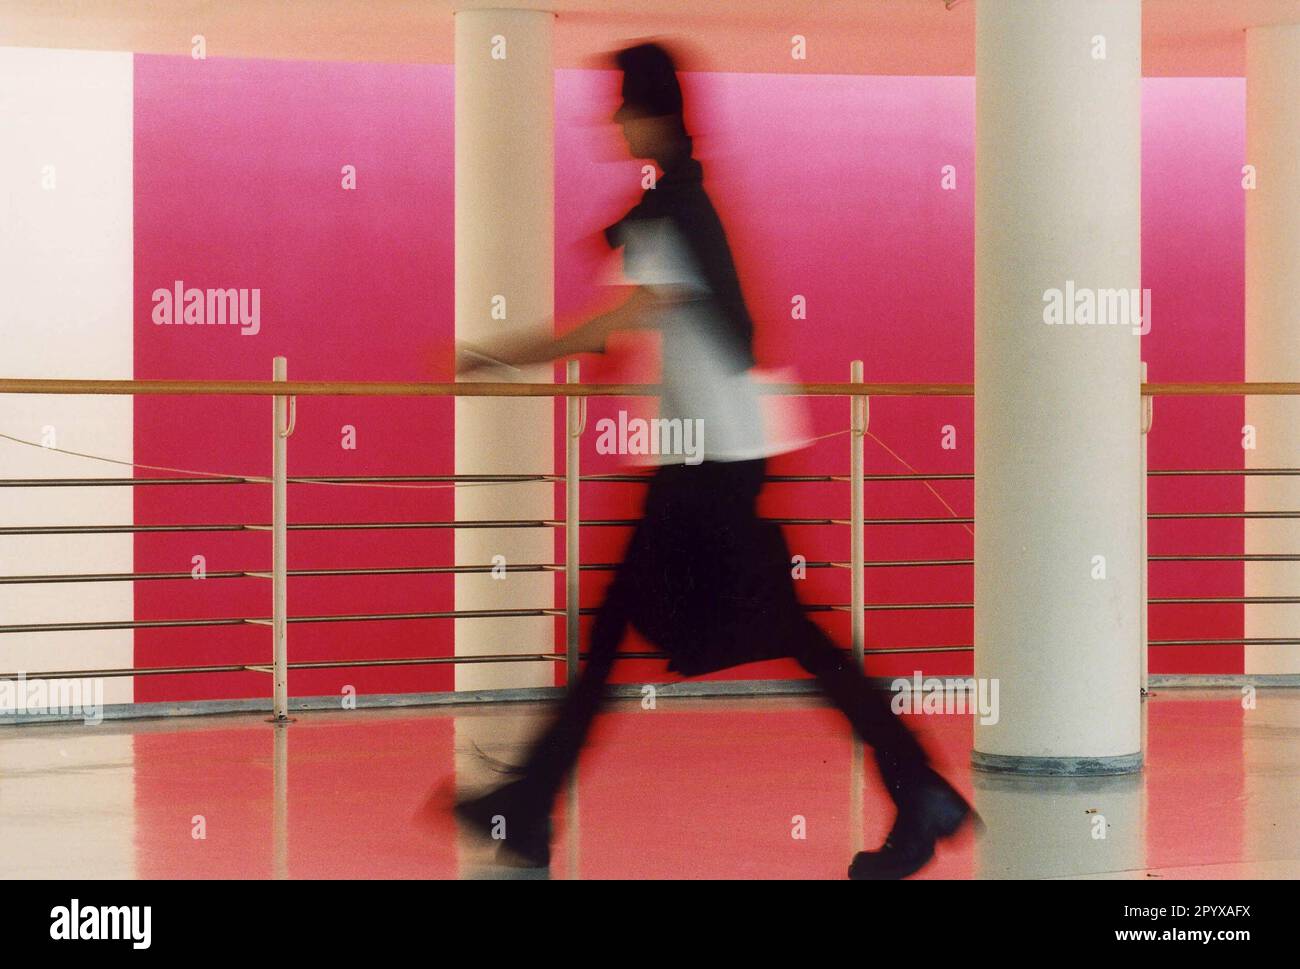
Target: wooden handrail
351 388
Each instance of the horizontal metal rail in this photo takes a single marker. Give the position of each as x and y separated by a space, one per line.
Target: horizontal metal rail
1214 557
1194 472
1194 515
323 388
54 627
558 567
400 661
552 523
531 657
380 526
1245 641
263 667
549 611
555 478
263 573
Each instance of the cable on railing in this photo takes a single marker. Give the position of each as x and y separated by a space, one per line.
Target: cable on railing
227 478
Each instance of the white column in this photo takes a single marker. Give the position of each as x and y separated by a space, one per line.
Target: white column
1273 333
504 280
1057 443
1059 827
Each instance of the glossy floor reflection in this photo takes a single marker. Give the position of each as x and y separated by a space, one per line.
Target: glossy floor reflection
698 788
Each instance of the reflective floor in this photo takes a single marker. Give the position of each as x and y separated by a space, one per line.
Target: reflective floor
697 788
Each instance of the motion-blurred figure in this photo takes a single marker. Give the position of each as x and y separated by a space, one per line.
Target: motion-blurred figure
703 578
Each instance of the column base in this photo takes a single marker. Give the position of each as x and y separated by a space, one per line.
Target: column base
1056 766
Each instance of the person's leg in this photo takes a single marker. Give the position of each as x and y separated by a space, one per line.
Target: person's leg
901 759
928 806
556 750
524 804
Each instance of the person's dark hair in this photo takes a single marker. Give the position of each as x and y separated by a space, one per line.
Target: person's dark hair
650 87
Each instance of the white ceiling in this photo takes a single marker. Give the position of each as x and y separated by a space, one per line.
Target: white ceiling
1180 37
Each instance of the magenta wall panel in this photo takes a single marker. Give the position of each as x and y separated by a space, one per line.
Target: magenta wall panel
238 183
1193 261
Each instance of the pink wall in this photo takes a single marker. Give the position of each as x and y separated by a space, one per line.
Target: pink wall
237 184
829 187
1193 260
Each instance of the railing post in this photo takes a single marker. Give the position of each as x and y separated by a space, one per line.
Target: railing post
279 553
857 514
575 413
1148 413
858 587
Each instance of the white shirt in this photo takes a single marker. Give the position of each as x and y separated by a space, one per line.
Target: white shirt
703 380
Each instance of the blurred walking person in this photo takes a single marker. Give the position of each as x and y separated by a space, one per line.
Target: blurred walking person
703 578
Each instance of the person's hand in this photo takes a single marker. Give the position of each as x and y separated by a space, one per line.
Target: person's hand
466 360
470 359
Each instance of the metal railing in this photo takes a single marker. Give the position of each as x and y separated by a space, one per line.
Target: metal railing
284 393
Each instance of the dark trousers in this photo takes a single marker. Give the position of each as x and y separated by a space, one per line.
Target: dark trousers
899 756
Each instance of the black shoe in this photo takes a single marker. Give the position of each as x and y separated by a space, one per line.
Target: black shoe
931 811
499 816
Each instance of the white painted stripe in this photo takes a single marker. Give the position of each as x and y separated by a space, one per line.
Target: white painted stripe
66 270
1273 334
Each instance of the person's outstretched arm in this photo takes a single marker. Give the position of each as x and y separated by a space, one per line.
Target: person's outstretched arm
541 345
